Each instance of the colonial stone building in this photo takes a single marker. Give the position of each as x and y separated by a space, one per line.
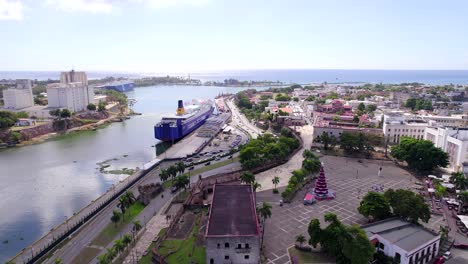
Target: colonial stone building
233 232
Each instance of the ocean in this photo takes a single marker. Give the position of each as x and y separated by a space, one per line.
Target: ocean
433 77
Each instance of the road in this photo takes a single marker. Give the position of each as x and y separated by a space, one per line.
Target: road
240 120
70 252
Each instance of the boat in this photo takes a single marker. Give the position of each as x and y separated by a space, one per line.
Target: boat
183 122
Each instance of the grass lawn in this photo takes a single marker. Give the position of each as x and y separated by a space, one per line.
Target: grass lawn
111 230
147 259
167 184
309 257
183 251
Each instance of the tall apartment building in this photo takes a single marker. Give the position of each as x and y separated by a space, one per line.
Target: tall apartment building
19 97
233 232
73 92
452 140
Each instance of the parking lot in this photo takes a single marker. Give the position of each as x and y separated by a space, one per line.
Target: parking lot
350 180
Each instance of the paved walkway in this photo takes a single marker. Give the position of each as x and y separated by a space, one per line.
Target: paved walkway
153 227
350 180
284 171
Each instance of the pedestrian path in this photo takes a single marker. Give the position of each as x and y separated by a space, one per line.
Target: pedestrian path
153 227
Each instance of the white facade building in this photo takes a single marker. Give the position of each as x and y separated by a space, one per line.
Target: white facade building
454 141
450 121
396 126
74 96
73 77
19 97
407 243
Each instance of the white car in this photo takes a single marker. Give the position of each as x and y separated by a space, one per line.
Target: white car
447 255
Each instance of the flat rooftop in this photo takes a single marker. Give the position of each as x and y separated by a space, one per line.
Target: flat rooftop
403 234
233 211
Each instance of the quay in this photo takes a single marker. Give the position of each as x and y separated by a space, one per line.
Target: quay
61 234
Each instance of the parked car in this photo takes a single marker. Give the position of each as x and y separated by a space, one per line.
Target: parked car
447 255
191 168
208 163
439 260
230 157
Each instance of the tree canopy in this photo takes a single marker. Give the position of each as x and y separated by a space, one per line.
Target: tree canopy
349 244
408 205
7 119
374 205
421 155
418 104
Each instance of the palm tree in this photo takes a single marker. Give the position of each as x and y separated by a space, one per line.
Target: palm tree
247 177
119 246
459 180
164 175
275 181
256 186
123 204
104 259
58 261
172 171
265 212
136 225
115 218
180 166
130 197
111 253
300 239
126 239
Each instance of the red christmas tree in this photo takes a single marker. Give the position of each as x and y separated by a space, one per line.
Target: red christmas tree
321 189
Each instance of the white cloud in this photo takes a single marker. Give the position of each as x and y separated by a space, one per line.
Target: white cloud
92 6
11 10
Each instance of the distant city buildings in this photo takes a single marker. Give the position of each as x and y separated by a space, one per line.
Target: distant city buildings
233 232
405 242
19 97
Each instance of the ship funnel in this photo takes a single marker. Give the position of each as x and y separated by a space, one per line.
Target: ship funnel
180 108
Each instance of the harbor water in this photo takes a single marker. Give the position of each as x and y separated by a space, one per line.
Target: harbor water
41 185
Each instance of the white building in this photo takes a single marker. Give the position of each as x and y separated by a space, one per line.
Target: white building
19 97
450 121
73 77
74 96
407 243
454 141
396 126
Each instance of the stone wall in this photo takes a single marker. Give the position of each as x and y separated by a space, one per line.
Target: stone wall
233 249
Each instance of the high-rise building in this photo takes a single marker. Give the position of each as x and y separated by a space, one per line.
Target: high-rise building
73 92
73 77
19 97
73 96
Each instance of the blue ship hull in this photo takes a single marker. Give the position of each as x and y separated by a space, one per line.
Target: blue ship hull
178 130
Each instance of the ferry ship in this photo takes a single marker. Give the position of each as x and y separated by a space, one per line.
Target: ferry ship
183 122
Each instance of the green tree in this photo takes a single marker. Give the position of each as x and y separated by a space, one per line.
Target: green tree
164 175
371 108
65 113
374 205
295 99
275 181
356 119
265 212
130 197
408 205
420 155
315 232
119 245
255 186
55 112
361 107
123 204
91 107
126 239
181 181
459 180
311 165
325 140
180 167
22 114
101 106
111 253
247 177
104 259
300 239
136 226
115 218
58 261
7 119
172 170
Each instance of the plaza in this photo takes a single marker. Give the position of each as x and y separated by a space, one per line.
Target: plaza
351 179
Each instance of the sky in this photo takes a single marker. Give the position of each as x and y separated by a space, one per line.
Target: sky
213 35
